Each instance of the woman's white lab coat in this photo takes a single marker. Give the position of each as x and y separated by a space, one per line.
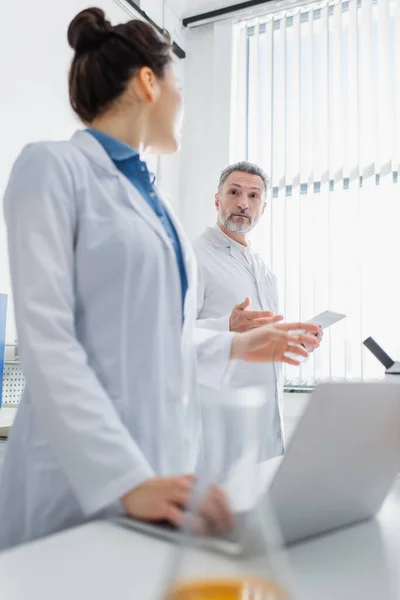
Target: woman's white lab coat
110 372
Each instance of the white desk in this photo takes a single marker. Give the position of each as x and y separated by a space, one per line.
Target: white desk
102 561
7 415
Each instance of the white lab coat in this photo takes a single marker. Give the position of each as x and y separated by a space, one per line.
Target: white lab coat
110 396
228 272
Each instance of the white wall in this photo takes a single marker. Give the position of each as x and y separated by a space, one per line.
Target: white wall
167 14
35 58
206 139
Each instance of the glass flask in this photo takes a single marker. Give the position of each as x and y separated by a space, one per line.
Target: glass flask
246 560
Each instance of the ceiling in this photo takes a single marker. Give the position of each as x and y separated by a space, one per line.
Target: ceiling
188 8
179 6
195 7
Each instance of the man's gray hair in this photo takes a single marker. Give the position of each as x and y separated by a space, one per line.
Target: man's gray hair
243 167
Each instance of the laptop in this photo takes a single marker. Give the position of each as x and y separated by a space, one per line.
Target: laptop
341 462
392 367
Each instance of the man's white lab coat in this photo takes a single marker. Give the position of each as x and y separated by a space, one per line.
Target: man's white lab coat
228 272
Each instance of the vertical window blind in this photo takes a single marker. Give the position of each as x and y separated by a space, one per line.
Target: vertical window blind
316 103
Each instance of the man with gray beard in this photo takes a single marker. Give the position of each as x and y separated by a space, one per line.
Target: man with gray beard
238 292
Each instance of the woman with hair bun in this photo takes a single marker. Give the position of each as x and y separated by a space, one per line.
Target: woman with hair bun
104 284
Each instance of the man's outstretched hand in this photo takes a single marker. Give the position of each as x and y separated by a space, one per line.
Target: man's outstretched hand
242 319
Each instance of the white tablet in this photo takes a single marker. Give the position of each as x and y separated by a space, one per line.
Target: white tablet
324 320
327 318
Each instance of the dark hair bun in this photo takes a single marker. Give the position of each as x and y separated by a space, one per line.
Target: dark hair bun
88 30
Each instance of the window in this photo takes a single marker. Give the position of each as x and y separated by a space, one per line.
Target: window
316 102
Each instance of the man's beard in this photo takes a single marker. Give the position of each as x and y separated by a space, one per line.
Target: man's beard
243 226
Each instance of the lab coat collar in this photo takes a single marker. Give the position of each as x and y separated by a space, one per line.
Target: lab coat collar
95 152
216 237
93 149
117 150
90 146
220 240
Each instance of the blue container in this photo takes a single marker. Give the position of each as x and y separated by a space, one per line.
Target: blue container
3 319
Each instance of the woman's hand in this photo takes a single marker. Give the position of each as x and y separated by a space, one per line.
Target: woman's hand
272 342
159 499
166 498
319 337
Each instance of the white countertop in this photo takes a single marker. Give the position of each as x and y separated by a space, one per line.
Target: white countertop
7 416
103 561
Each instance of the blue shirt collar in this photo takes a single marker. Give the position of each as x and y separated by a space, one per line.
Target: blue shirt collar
115 149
